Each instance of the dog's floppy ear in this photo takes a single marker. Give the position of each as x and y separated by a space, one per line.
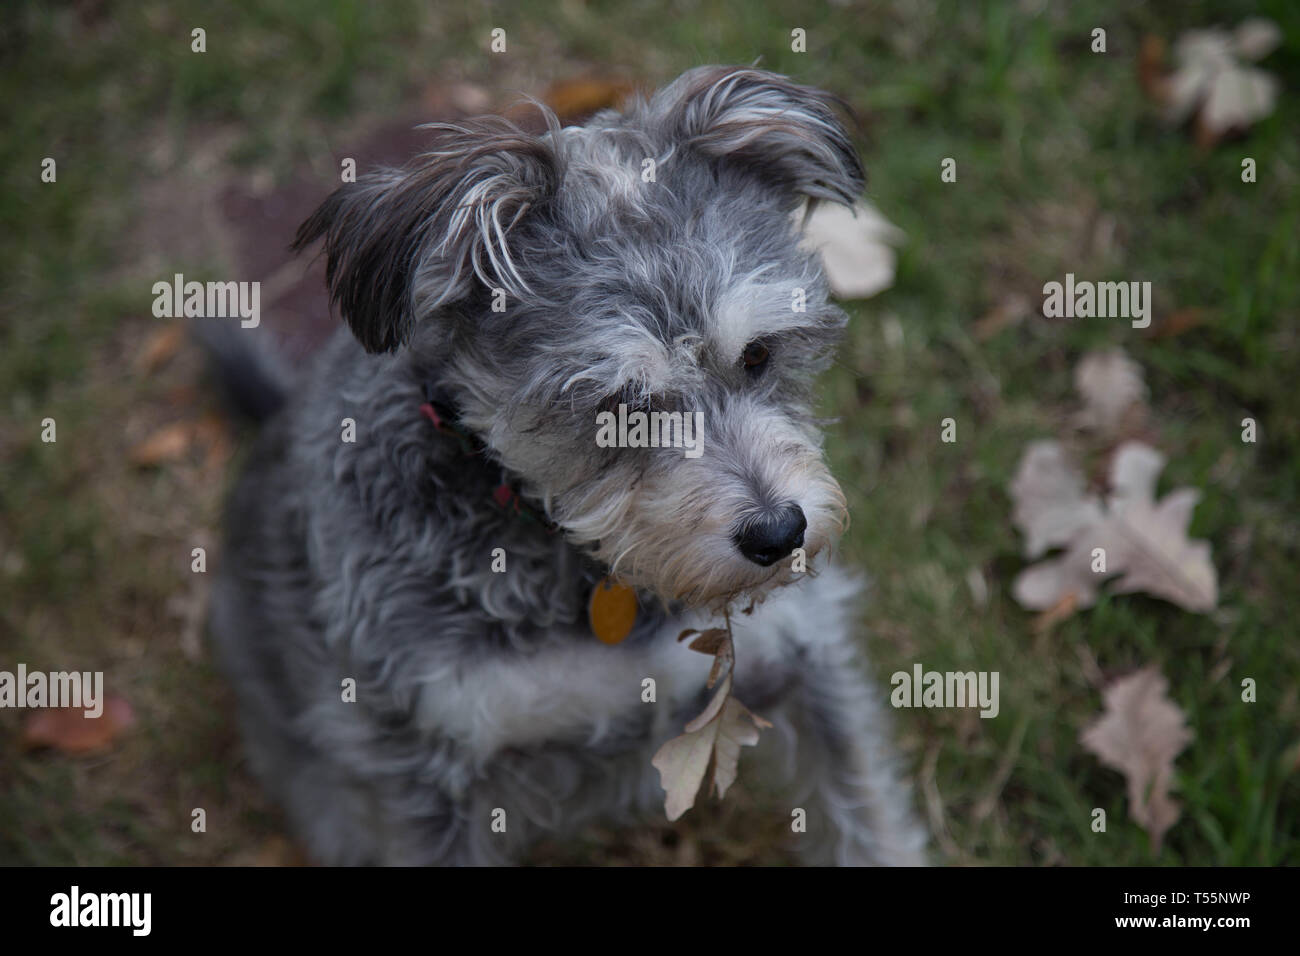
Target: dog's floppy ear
785 133
401 243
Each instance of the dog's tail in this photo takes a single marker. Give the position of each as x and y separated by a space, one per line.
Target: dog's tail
253 377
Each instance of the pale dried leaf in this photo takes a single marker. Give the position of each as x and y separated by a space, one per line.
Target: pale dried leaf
737 727
682 763
1048 584
1134 471
1140 734
1050 507
1145 542
713 738
1183 92
721 666
856 247
1199 56
1256 38
714 707
707 642
1162 560
1109 382
1211 80
1238 98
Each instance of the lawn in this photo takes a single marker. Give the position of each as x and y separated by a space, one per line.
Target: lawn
1062 166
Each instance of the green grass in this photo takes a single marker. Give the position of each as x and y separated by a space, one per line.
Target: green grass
1056 150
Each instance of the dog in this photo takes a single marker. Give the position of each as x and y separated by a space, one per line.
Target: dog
404 611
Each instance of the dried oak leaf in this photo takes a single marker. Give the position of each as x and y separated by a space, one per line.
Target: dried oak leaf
1050 507
713 739
856 247
1110 384
68 729
1211 81
1144 541
1140 734
717 642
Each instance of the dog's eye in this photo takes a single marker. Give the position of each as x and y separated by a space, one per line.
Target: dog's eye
754 357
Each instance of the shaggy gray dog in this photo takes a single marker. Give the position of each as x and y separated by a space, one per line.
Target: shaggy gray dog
427 516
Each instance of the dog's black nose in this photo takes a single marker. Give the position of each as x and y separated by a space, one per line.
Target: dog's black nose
768 538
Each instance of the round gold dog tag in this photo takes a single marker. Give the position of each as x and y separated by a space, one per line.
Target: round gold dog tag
612 611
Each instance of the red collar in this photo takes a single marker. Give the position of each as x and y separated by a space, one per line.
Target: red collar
504 494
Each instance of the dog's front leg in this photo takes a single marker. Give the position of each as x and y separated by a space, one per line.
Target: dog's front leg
860 810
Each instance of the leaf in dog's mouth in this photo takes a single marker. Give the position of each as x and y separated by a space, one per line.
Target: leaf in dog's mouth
714 738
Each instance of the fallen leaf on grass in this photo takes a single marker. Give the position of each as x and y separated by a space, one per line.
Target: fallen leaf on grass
68 729
1050 506
1142 540
714 738
173 442
169 443
159 348
1210 81
577 99
1110 384
1140 734
856 247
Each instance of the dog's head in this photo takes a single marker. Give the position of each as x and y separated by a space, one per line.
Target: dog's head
591 291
